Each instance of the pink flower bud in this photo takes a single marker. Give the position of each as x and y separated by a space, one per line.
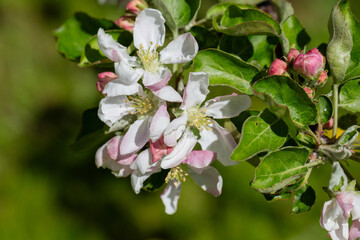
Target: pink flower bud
309 91
329 124
103 79
322 78
309 64
293 53
136 6
126 22
277 67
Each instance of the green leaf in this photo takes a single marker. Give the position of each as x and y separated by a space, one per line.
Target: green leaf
259 48
177 13
251 2
92 54
219 9
280 169
91 135
204 37
242 22
304 199
350 95
243 116
348 136
354 26
275 197
340 45
73 35
155 181
287 100
225 69
295 34
285 9
324 107
306 141
260 133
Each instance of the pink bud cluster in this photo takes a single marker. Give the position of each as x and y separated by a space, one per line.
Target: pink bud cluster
133 8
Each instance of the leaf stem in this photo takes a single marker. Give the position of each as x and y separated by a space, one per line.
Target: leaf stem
314 163
336 103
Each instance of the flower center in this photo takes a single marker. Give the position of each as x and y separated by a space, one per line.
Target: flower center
149 57
176 174
141 105
198 118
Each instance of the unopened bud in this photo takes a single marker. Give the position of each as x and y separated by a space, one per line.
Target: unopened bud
322 78
308 91
136 6
277 67
103 79
126 22
293 53
329 124
309 64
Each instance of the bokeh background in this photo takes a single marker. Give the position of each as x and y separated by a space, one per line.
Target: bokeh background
49 192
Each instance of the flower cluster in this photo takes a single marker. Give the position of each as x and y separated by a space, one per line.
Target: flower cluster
133 8
150 138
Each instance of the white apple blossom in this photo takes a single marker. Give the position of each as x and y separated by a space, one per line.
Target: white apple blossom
148 34
213 137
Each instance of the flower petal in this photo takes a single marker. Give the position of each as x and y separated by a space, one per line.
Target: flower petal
355 230
137 180
136 137
181 149
169 94
157 80
209 180
227 106
181 50
126 83
159 123
332 216
114 50
196 89
356 207
149 27
200 159
159 149
175 129
170 197
345 200
342 233
112 109
218 140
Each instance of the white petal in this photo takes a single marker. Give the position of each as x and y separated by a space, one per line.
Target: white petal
175 129
169 94
137 180
159 123
332 216
114 50
196 89
181 149
170 197
136 137
126 83
149 27
218 140
356 209
112 109
142 162
227 106
337 177
157 80
209 180
181 50
200 159
342 233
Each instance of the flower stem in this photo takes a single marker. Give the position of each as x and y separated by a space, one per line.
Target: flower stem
336 101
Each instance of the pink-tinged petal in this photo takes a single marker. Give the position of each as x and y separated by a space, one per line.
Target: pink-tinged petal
159 149
126 83
127 160
159 123
180 151
218 140
170 197
181 50
332 216
175 129
356 207
103 79
227 106
200 159
355 230
157 80
114 50
169 94
149 27
345 200
196 89
113 147
137 180
136 137
112 109
209 180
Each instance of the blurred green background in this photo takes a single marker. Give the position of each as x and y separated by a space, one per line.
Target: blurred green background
48 192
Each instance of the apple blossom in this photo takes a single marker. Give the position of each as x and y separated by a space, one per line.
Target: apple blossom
278 67
310 64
